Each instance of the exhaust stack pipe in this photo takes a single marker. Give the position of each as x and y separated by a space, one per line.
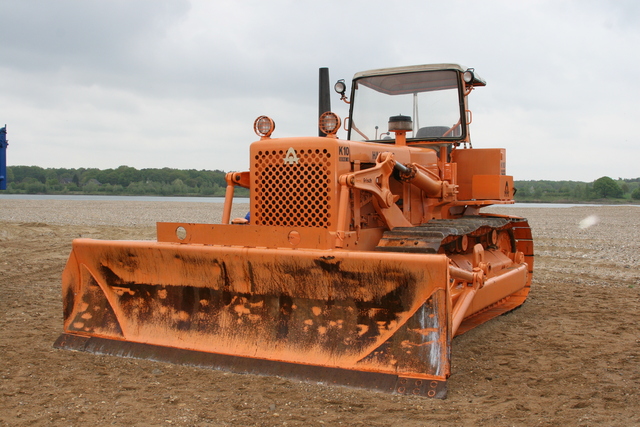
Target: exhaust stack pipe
324 96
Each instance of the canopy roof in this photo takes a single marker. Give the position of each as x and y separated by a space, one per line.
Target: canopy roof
404 84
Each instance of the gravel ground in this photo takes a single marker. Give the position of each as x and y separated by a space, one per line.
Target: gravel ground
113 213
601 230
600 244
570 356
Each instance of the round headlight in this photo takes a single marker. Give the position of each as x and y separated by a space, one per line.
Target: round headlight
340 87
263 126
468 76
329 123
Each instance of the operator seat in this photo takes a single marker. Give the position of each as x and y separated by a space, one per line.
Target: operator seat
431 131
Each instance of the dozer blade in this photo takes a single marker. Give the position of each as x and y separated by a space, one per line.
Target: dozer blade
365 319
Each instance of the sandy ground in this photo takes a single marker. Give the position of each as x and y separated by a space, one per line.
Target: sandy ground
569 356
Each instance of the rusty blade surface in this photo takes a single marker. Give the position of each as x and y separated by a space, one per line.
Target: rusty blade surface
355 311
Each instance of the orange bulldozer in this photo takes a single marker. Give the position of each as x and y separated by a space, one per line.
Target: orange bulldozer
360 260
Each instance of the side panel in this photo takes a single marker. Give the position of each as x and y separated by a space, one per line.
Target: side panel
492 187
472 162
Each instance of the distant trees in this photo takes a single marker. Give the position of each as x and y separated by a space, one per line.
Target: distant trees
122 180
126 180
606 187
576 191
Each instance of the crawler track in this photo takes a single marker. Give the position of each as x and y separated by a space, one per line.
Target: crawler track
429 238
451 236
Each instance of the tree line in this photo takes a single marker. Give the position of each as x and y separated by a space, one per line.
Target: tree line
126 180
602 189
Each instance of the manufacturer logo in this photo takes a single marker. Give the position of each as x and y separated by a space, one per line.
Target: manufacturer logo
291 158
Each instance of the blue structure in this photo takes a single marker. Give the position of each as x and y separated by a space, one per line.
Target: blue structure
3 158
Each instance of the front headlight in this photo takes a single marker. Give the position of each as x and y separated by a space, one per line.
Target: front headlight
264 126
329 123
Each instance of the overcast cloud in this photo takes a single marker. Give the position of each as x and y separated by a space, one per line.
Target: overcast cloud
178 83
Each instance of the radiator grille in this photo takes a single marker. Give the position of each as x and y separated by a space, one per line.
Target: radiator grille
293 193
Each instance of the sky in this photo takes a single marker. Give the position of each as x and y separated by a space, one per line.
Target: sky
179 83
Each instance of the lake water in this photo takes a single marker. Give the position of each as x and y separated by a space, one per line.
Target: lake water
236 200
555 205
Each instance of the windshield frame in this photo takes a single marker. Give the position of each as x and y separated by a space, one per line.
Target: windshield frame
462 136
